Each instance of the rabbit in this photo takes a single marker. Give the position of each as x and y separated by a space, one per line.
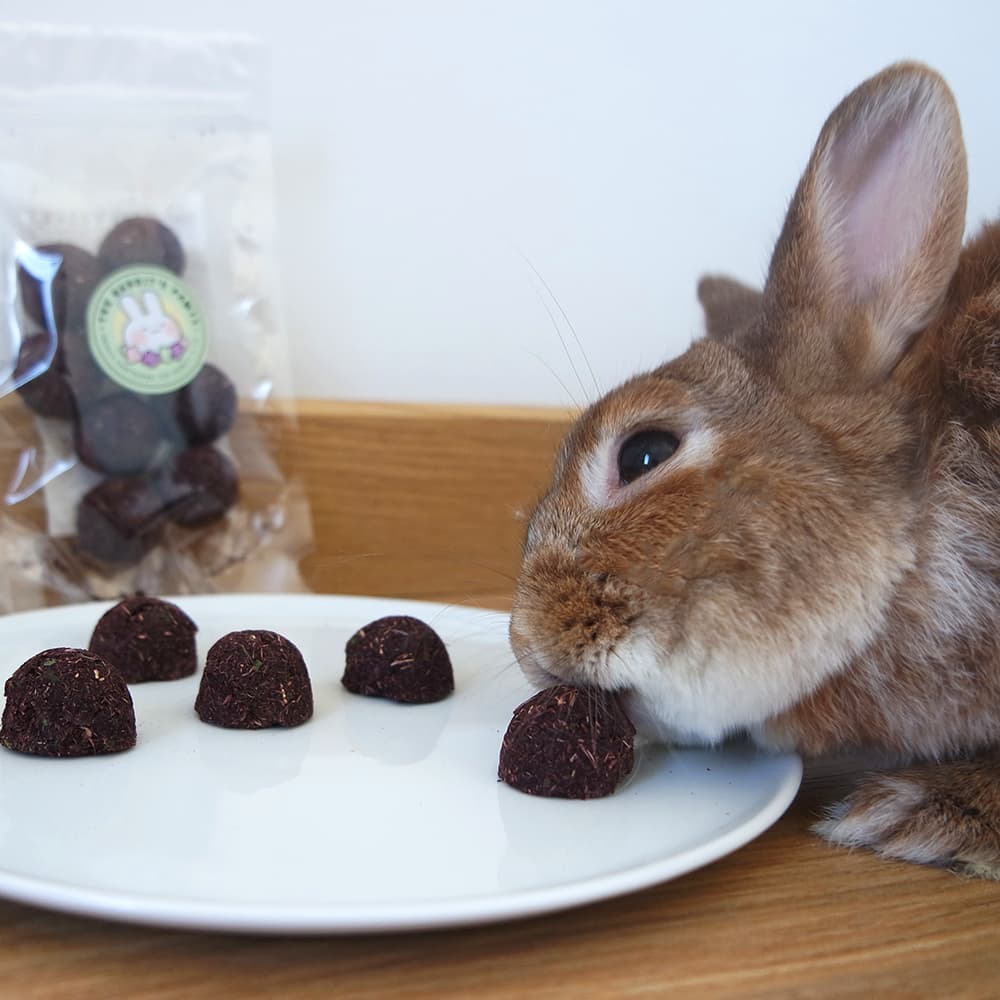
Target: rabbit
149 333
792 531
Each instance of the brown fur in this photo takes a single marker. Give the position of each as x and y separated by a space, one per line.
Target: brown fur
835 543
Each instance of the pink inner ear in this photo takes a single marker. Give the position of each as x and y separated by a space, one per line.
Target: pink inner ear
885 188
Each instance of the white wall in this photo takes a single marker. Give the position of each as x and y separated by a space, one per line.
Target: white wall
432 155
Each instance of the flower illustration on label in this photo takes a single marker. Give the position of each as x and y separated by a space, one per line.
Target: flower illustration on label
145 330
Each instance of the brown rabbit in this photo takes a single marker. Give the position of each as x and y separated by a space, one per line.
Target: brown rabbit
793 529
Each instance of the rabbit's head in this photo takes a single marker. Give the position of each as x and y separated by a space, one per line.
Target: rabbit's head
724 533
149 328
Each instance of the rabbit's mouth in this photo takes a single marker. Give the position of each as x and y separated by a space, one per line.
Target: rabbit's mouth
541 677
571 624
591 668
538 675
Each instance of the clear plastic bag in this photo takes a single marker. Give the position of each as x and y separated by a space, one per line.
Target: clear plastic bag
142 361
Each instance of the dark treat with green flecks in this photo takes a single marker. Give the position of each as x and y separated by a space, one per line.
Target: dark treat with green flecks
120 435
204 409
197 486
77 274
569 743
146 639
400 658
254 680
119 521
142 240
67 703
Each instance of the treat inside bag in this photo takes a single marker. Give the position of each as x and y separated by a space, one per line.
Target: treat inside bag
144 376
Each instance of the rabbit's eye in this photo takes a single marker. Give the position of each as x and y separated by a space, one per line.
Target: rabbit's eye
644 451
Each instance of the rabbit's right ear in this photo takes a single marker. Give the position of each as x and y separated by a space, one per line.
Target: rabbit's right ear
153 308
132 308
874 231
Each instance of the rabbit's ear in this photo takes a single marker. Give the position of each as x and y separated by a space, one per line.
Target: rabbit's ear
874 231
153 307
131 307
729 305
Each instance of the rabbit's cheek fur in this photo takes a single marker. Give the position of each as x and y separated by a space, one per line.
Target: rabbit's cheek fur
746 647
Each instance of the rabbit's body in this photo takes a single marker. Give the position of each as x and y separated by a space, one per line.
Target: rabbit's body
928 684
794 528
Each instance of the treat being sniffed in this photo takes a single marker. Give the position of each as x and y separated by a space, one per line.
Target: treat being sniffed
569 743
67 703
119 520
146 639
253 680
142 240
400 658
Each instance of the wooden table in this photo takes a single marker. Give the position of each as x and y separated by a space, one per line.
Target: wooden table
421 502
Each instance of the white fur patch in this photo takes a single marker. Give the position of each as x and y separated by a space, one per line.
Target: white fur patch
695 695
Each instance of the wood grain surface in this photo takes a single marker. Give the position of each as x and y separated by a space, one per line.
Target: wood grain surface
421 502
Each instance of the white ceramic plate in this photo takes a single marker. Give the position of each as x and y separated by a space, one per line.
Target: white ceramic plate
371 817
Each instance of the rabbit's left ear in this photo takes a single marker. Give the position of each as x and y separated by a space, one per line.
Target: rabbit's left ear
728 304
152 304
875 229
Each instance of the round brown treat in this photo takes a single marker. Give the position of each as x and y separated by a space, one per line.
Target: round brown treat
197 486
120 435
45 389
142 241
253 680
78 274
86 380
399 658
568 743
146 639
205 408
67 703
119 521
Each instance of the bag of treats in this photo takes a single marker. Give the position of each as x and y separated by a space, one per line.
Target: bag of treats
143 373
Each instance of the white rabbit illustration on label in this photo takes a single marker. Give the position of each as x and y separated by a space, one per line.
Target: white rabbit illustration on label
151 332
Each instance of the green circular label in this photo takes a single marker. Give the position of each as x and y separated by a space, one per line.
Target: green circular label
146 330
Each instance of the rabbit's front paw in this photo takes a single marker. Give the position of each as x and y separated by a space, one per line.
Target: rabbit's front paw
947 815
